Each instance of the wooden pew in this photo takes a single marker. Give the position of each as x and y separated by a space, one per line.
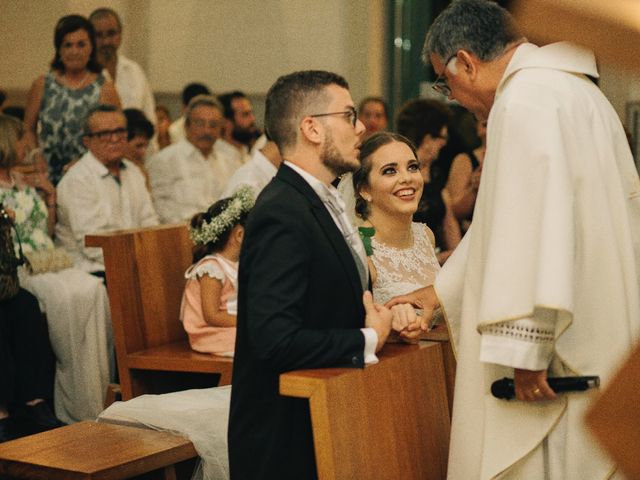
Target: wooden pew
387 421
89 450
614 418
145 280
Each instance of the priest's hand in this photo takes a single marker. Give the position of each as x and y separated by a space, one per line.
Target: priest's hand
424 299
378 318
532 386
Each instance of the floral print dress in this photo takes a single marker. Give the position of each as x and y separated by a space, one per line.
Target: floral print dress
31 217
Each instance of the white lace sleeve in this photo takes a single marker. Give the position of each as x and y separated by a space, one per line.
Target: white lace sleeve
207 266
526 343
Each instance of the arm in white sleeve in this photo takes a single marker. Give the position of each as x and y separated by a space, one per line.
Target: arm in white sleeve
85 210
163 181
370 342
526 343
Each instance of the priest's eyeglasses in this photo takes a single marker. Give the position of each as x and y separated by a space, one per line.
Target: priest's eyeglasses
440 84
351 114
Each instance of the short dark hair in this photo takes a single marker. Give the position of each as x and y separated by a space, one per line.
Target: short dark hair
226 99
105 12
138 124
360 177
374 99
291 97
192 90
421 117
69 24
481 27
100 108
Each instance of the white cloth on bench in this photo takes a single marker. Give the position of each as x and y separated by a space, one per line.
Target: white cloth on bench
201 415
79 321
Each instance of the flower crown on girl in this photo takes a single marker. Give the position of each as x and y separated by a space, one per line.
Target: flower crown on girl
241 202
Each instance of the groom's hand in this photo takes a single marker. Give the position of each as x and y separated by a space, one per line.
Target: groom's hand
378 318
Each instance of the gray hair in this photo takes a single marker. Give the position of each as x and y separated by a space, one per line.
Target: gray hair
481 27
198 101
100 108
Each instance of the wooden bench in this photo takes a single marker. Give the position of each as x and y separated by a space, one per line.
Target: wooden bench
145 280
89 450
387 421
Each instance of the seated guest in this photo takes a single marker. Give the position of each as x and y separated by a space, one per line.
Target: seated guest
103 191
210 299
401 252
257 172
425 123
75 302
164 121
176 129
240 131
464 179
139 135
26 373
187 177
374 114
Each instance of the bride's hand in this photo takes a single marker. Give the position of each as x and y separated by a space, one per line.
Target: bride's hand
423 298
404 315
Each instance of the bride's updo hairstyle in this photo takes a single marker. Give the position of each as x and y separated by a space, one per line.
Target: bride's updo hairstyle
360 177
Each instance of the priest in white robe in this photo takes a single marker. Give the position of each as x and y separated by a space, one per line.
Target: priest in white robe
546 281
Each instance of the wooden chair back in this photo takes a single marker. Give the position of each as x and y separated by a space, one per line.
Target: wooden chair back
145 280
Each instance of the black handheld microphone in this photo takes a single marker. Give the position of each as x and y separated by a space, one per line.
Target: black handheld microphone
505 389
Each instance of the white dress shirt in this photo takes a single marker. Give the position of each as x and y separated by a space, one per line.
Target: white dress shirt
231 154
370 335
256 174
132 86
176 130
184 182
91 200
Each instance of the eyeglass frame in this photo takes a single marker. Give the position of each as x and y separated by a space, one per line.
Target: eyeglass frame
107 135
201 123
351 112
440 84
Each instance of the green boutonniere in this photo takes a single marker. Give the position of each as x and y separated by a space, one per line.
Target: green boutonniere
365 235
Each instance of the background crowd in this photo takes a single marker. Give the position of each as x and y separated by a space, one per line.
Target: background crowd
91 152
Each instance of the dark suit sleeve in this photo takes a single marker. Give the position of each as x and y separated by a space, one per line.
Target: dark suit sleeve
279 290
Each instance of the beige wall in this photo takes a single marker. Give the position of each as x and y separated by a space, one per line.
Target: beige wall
227 44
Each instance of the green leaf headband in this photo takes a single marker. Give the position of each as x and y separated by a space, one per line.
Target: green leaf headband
242 201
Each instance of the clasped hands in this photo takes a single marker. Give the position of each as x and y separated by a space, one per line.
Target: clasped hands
400 315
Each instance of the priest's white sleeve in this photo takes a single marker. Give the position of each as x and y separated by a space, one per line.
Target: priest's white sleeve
526 343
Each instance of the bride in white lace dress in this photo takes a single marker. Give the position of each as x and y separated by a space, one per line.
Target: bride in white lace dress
388 187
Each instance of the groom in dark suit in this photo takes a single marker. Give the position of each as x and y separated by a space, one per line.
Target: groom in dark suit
301 279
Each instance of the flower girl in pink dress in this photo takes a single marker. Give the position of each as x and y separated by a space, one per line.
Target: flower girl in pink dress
209 302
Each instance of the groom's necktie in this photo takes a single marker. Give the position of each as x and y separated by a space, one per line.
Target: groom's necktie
335 205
